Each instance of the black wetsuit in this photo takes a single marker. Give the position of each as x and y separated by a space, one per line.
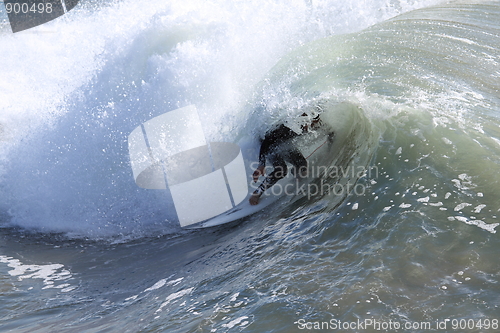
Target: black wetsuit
277 148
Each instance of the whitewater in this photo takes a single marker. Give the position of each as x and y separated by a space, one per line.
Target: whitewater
414 90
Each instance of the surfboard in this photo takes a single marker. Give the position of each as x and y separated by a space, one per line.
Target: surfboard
313 146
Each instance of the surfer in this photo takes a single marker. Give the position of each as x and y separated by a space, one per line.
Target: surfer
277 148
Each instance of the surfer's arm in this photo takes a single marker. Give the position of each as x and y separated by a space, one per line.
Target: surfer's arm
258 172
264 150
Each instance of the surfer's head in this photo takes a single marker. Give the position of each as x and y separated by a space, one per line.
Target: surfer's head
309 120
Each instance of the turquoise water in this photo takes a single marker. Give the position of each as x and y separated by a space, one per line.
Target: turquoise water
415 89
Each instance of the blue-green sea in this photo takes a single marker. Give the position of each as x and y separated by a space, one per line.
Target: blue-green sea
414 89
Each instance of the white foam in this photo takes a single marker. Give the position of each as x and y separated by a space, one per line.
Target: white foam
425 199
234 297
490 227
157 285
447 141
164 282
131 298
173 297
238 321
50 273
461 206
478 208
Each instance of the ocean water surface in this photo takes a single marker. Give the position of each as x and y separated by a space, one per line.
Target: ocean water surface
415 89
